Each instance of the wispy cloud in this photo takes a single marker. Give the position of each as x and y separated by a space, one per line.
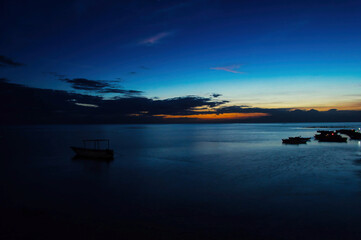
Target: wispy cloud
7 62
155 38
230 68
86 105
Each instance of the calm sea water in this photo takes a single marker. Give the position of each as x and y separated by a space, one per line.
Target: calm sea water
221 181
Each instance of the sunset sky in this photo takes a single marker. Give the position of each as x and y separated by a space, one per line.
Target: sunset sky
251 54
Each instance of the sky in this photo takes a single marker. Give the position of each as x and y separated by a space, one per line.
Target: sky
264 55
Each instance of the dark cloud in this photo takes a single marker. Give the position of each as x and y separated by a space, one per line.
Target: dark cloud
248 109
21 104
7 62
55 74
122 91
215 95
182 105
147 107
86 84
98 86
132 73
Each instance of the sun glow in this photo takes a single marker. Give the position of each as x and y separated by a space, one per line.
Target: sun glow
214 116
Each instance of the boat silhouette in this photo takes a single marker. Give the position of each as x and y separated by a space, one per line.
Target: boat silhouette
352 133
296 140
96 152
329 136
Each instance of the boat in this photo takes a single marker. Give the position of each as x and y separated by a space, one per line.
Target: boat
352 133
323 133
301 138
296 140
355 136
346 131
96 152
329 136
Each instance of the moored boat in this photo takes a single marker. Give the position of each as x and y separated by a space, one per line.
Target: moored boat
355 136
301 138
352 133
96 152
322 134
329 136
295 140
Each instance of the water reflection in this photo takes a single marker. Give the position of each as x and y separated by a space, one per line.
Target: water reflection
93 165
223 179
357 162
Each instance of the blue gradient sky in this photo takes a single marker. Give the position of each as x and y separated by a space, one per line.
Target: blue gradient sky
294 54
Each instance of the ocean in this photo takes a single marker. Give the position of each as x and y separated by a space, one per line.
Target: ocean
179 181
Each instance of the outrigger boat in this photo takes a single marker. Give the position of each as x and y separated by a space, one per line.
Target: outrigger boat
96 152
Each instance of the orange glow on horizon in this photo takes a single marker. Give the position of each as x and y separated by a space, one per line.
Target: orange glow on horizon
214 116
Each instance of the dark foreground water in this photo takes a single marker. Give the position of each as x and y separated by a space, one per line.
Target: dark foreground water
206 181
